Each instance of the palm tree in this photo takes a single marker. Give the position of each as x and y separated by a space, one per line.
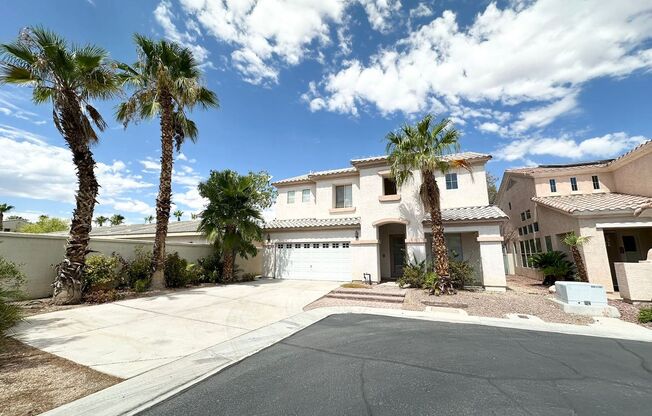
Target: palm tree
149 219
4 208
116 219
574 241
167 82
424 147
68 76
101 220
178 213
231 218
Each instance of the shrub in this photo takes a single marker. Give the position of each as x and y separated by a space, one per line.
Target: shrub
246 277
554 266
195 274
11 279
645 315
101 273
140 268
101 296
414 274
461 273
175 271
142 285
212 266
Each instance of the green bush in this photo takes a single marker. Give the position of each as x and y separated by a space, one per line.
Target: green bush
414 274
554 266
461 273
11 279
645 315
140 269
175 271
101 273
212 266
195 274
246 277
142 285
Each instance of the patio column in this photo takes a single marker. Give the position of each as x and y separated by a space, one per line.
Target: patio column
491 255
415 248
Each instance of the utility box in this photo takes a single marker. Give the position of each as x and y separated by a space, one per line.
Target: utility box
580 293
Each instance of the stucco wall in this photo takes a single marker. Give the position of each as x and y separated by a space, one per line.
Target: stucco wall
37 253
628 177
584 184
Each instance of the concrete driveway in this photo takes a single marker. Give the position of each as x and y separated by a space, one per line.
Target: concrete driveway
130 337
364 364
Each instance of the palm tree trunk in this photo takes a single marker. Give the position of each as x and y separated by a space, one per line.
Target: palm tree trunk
164 198
68 283
579 263
439 249
227 275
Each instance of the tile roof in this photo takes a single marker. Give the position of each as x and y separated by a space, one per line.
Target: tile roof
604 202
452 156
133 229
486 212
312 223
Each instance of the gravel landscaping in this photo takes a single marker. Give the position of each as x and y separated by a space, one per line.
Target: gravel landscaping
33 381
524 296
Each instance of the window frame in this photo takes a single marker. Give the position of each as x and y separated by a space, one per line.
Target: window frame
595 179
451 181
304 193
573 183
291 197
392 182
344 196
553 186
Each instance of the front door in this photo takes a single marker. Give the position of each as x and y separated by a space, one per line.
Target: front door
397 254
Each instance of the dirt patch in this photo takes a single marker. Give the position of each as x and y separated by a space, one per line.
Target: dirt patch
33 381
629 312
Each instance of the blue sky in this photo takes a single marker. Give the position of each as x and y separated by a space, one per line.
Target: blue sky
308 85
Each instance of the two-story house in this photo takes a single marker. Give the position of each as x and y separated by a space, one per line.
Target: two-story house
354 223
594 199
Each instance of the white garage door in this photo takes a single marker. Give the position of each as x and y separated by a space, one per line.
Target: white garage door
313 261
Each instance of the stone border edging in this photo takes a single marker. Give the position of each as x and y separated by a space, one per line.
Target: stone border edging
147 389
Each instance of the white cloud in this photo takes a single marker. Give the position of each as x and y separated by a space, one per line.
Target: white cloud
182 156
190 198
150 165
379 12
536 52
605 146
164 16
422 10
9 106
133 206
39 170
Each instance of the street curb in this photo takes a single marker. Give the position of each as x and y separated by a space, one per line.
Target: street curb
147 389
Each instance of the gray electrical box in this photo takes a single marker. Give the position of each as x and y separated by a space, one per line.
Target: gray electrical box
580 293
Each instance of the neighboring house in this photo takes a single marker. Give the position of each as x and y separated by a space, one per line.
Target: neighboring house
346 223
178 232
594 199
13 224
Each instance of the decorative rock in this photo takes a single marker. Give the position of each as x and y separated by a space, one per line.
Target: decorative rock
552 289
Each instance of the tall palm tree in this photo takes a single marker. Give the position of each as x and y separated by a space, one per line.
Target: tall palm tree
424 147
166 82
69 77
4 208
101 220
178 213
231 218
149 219
116 219
575 241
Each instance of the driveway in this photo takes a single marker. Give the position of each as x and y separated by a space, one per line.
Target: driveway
130 337
365 364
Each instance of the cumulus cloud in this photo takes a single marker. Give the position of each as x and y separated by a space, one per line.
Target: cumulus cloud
609 145
39 170
539 53
422 10
164 17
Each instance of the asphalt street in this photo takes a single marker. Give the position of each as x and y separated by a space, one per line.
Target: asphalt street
365 364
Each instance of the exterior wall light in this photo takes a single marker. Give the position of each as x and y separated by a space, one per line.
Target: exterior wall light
356 234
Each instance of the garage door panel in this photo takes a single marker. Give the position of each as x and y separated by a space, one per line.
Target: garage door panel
322 263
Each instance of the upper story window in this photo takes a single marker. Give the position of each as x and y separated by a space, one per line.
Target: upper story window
523 216
451 181
510 205
528 214
596 181
305 195
389 186
290 197
344 196
573 182
553 185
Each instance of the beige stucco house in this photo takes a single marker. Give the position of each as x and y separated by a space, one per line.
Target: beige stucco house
351 223
13 224
595 199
